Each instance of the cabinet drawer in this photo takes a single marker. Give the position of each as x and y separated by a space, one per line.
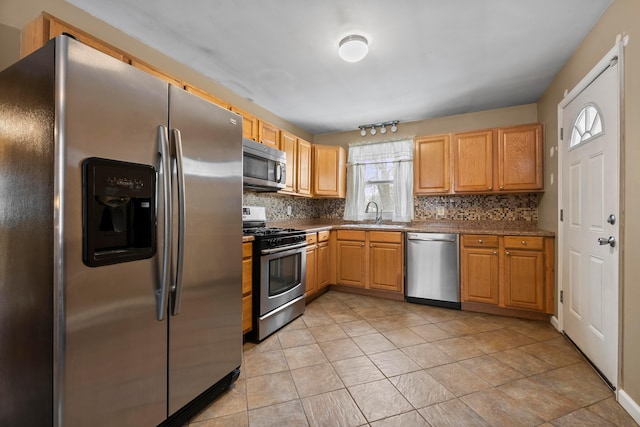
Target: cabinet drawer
524 242
385 236
246 249
351 235
479 241
247 271
312 238
323 236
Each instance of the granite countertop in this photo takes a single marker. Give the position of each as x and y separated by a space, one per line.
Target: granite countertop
502 228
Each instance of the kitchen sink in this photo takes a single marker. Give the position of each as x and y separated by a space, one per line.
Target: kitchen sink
374 225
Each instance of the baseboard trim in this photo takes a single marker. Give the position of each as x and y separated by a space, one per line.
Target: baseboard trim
555 323
629 405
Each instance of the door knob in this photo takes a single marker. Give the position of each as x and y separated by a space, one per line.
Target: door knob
612 219
611 241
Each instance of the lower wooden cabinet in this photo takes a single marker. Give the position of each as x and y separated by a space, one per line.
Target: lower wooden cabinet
370 260
247 287
510 274
312 265
323 259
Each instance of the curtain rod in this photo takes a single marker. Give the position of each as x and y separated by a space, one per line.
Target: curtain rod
357 143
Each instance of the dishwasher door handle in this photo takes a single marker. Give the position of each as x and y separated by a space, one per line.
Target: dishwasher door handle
430 239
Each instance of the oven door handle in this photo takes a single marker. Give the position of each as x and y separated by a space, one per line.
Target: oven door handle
283 250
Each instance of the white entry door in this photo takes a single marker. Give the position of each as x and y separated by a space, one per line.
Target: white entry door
590 222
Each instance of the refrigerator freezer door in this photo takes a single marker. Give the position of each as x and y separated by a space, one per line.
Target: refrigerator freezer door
114 359
205 336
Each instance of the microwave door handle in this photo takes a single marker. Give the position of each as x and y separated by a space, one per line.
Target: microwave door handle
164 179
182 223
278 172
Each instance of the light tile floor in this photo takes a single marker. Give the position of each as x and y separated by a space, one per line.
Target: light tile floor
355 360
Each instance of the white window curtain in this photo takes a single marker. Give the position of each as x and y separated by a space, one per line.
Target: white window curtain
400 154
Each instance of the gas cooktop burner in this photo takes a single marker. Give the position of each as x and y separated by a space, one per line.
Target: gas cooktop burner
270 231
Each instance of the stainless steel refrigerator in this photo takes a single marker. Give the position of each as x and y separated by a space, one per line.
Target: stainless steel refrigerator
120 243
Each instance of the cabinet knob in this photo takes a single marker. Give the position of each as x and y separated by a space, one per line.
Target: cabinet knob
479 240
362 244
501 187
507 253
524 242
490 188
370 245
495 252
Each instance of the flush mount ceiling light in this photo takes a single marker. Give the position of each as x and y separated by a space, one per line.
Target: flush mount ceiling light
393 125
353 48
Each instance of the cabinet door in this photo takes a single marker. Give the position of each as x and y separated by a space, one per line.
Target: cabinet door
268 134
323 264
385 266
312 271
329 172
249 124
157 73
520 158
479 275
351 259
473 161
289 144
431 165
304 168
524 279
247 287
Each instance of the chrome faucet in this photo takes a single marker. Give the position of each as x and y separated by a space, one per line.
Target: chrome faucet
366 210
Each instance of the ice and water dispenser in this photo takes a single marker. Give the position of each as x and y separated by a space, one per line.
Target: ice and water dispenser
119 221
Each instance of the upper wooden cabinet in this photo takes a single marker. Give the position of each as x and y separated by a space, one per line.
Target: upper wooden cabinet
520 158
431 165
249 124
473 161
298 176
304 167
204 95
45 27
268 134
289 144
155 72
329 171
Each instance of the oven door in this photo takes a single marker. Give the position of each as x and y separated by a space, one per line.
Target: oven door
282 276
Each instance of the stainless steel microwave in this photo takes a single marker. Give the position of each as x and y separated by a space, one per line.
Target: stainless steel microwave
263 167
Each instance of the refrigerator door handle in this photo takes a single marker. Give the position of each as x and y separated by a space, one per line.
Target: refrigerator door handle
164 152
182 224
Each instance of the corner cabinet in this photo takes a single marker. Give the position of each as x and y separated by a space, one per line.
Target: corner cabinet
317 264
431 158
329 171
370 260
511 275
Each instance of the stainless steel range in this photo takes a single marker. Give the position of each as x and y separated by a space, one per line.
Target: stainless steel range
279 272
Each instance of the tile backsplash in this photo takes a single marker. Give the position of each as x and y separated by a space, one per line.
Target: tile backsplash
500 207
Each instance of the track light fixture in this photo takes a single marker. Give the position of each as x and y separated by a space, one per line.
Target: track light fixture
393 125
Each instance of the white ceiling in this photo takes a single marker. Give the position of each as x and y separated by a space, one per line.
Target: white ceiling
427 58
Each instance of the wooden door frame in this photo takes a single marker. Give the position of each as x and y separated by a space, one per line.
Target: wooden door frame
617 51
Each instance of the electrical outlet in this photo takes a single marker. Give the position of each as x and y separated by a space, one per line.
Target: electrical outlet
440 211
289 210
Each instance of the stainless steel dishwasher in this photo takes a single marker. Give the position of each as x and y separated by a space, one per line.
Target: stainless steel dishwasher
433 269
